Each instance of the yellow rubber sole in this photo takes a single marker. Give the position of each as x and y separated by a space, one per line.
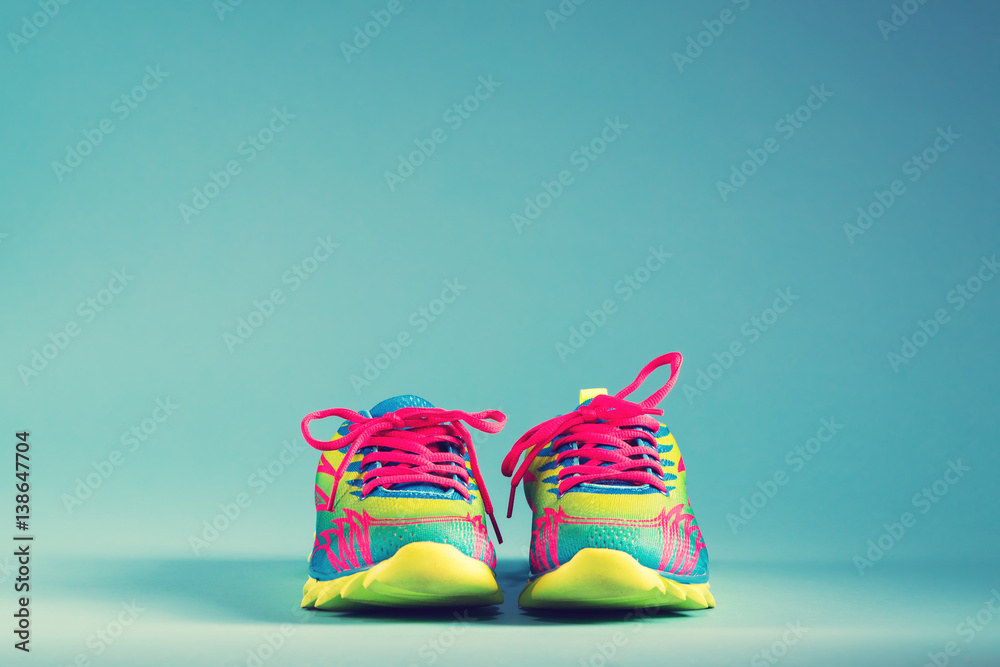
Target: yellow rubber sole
610 579
420 574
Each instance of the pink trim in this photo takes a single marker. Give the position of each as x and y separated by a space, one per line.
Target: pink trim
353 541
676 528
322 500
325 466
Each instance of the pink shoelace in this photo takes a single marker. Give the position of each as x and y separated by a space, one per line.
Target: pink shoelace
629 452
407 448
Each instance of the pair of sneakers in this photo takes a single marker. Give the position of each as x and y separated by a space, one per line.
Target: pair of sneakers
401 508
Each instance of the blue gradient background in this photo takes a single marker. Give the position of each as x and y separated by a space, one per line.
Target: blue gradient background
495 346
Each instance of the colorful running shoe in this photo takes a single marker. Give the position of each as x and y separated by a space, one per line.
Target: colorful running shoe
399 510
612 525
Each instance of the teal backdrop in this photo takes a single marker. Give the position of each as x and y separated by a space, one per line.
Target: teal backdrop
219 216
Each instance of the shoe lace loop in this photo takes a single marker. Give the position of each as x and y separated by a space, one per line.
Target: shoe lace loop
609 439
411 445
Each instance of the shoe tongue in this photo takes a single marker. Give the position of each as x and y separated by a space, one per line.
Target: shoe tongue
408 401
586 396
589 394
397 402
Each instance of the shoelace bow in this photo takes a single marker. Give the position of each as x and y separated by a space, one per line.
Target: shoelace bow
402 444
629 453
